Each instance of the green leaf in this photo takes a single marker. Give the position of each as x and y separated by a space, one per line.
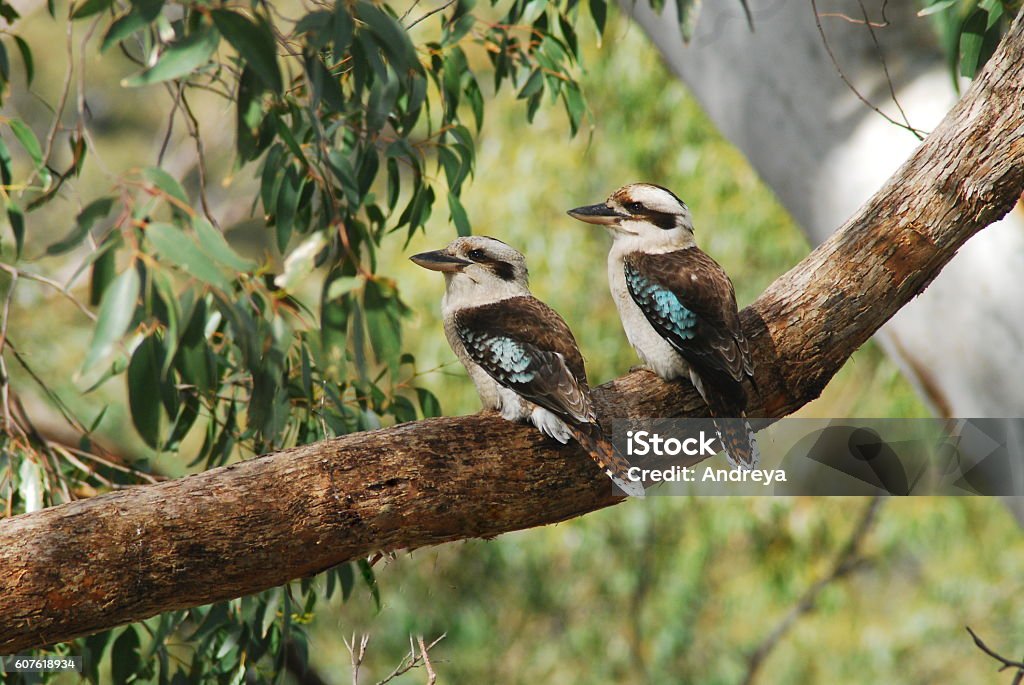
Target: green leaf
103 268
391 36
254 43
28 140
381 309
287 204
89 8
179 59
143 397
334 313
17 220
213 243
174 246
124 656
366 571
429 404
533 86
344 27
116 312
122 28
937 7
94 211
599 13
458 215
26 57
170 187
5 65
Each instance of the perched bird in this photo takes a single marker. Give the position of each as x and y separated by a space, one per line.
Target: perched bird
519 352
677 305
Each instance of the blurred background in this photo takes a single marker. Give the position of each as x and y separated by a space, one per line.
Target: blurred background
663 590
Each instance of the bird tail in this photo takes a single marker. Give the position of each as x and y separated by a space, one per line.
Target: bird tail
602 451
737 437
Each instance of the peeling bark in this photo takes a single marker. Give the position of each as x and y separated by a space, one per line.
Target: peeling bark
90 565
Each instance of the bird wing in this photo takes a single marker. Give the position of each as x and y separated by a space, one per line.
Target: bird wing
690 302
525 346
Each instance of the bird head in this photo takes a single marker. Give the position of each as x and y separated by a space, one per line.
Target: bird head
643 213
478 261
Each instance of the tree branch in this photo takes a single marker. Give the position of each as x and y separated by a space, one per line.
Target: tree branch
90 565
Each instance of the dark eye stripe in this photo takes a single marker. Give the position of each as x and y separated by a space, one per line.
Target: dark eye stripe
501 269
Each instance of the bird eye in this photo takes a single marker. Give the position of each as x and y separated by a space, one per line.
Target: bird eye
635 206
476 255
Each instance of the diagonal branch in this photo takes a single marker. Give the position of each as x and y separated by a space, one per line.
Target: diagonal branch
94 564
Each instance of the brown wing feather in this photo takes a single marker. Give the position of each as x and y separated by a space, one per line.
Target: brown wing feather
718 352
558 379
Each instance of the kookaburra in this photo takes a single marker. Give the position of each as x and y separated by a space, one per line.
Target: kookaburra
519 352
677 305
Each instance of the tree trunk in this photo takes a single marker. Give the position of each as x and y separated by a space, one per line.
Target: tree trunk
90 565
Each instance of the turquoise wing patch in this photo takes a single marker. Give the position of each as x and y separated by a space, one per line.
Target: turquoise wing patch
661 305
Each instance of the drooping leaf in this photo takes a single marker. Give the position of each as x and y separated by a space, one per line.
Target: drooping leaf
89 8
178 249
122 28
93 212
28 140
213 243
124 656
143 389
17 220
254 42
116 312
26 58
179 59
458 215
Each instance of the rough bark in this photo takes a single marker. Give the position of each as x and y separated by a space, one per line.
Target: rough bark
82 567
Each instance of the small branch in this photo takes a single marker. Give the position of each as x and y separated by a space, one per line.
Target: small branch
355 655
848 561
413 660
431 13
193 129
1006 663
853 89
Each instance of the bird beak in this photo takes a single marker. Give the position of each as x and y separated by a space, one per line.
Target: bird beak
439 260
601 214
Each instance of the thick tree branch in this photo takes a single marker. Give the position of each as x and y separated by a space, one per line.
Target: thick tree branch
90 565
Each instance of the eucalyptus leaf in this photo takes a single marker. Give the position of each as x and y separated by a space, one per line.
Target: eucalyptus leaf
116 312
179 59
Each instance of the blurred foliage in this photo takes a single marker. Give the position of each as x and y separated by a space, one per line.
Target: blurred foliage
224 238
969 30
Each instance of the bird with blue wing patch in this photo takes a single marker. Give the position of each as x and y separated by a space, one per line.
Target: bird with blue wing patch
678 306
519 352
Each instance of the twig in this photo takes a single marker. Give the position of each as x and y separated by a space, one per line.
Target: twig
848 561
1006 663
885 67
853 89
176 97
845 17
431 13
412 660
46 281
193 129
4 379
425 652
407 12
356 657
